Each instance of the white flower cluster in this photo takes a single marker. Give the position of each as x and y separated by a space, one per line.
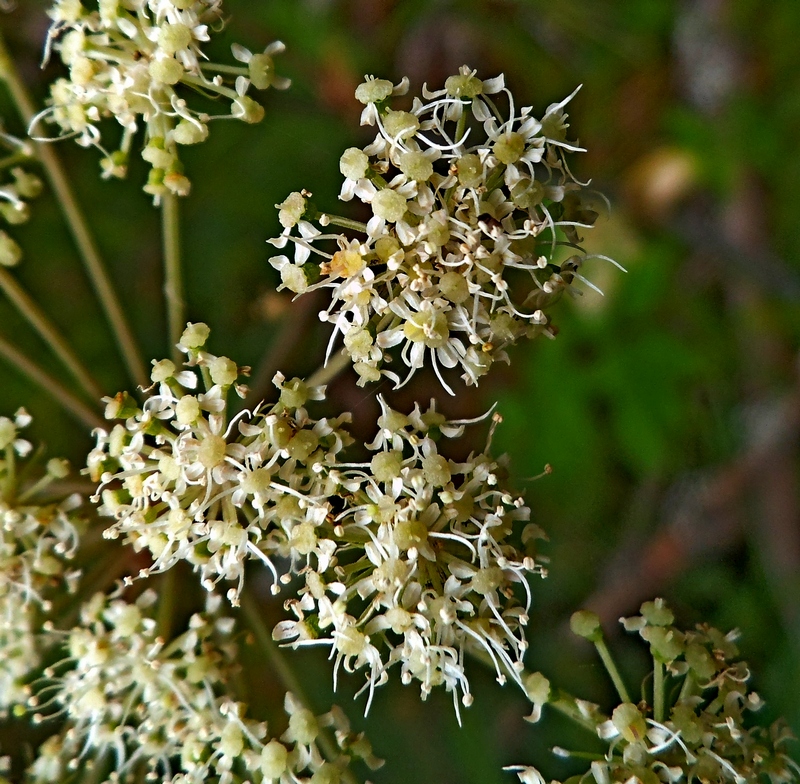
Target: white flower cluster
425 567
36 542
407 559
471 208
14 193
131 59
186 483
706 731
136 706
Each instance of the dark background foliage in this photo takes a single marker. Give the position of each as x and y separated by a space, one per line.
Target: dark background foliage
668 409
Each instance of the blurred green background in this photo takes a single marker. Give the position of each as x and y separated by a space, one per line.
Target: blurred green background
669 409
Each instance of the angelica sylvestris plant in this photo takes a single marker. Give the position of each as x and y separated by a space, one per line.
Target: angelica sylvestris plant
210 533
471 206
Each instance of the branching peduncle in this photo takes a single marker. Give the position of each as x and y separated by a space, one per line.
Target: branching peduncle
77 225
49 333
56 390
611 669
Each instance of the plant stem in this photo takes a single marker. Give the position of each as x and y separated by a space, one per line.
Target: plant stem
77 224
166 602
566 707
612 670
461 125
221 68
687 688
59 393
344 223
284 671
173 277
329 371
37 319
264 638
658 691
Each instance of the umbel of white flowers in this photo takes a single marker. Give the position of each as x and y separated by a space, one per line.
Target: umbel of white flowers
407 559
138 707
474 230
138 61
37 542
695 722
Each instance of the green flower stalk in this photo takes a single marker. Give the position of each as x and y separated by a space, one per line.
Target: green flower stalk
695 723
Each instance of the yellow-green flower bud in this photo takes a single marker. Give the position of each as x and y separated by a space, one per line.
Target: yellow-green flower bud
410 533
187 410
261 70
373 91
486 580
245 108
10 252
470 170
537 687
274 758
436 470
585 623
166 71
294 279
212 451
294 393
223 371
400 125
303 727
354 163
386 466
291 209
629 722
415 166
509 148
188 132
162 370
389 205
174 37
195 335
463 86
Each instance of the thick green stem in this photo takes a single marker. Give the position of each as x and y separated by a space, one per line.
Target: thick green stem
173 274
49 333
77 224
59 393
612 670
166 602
658 691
